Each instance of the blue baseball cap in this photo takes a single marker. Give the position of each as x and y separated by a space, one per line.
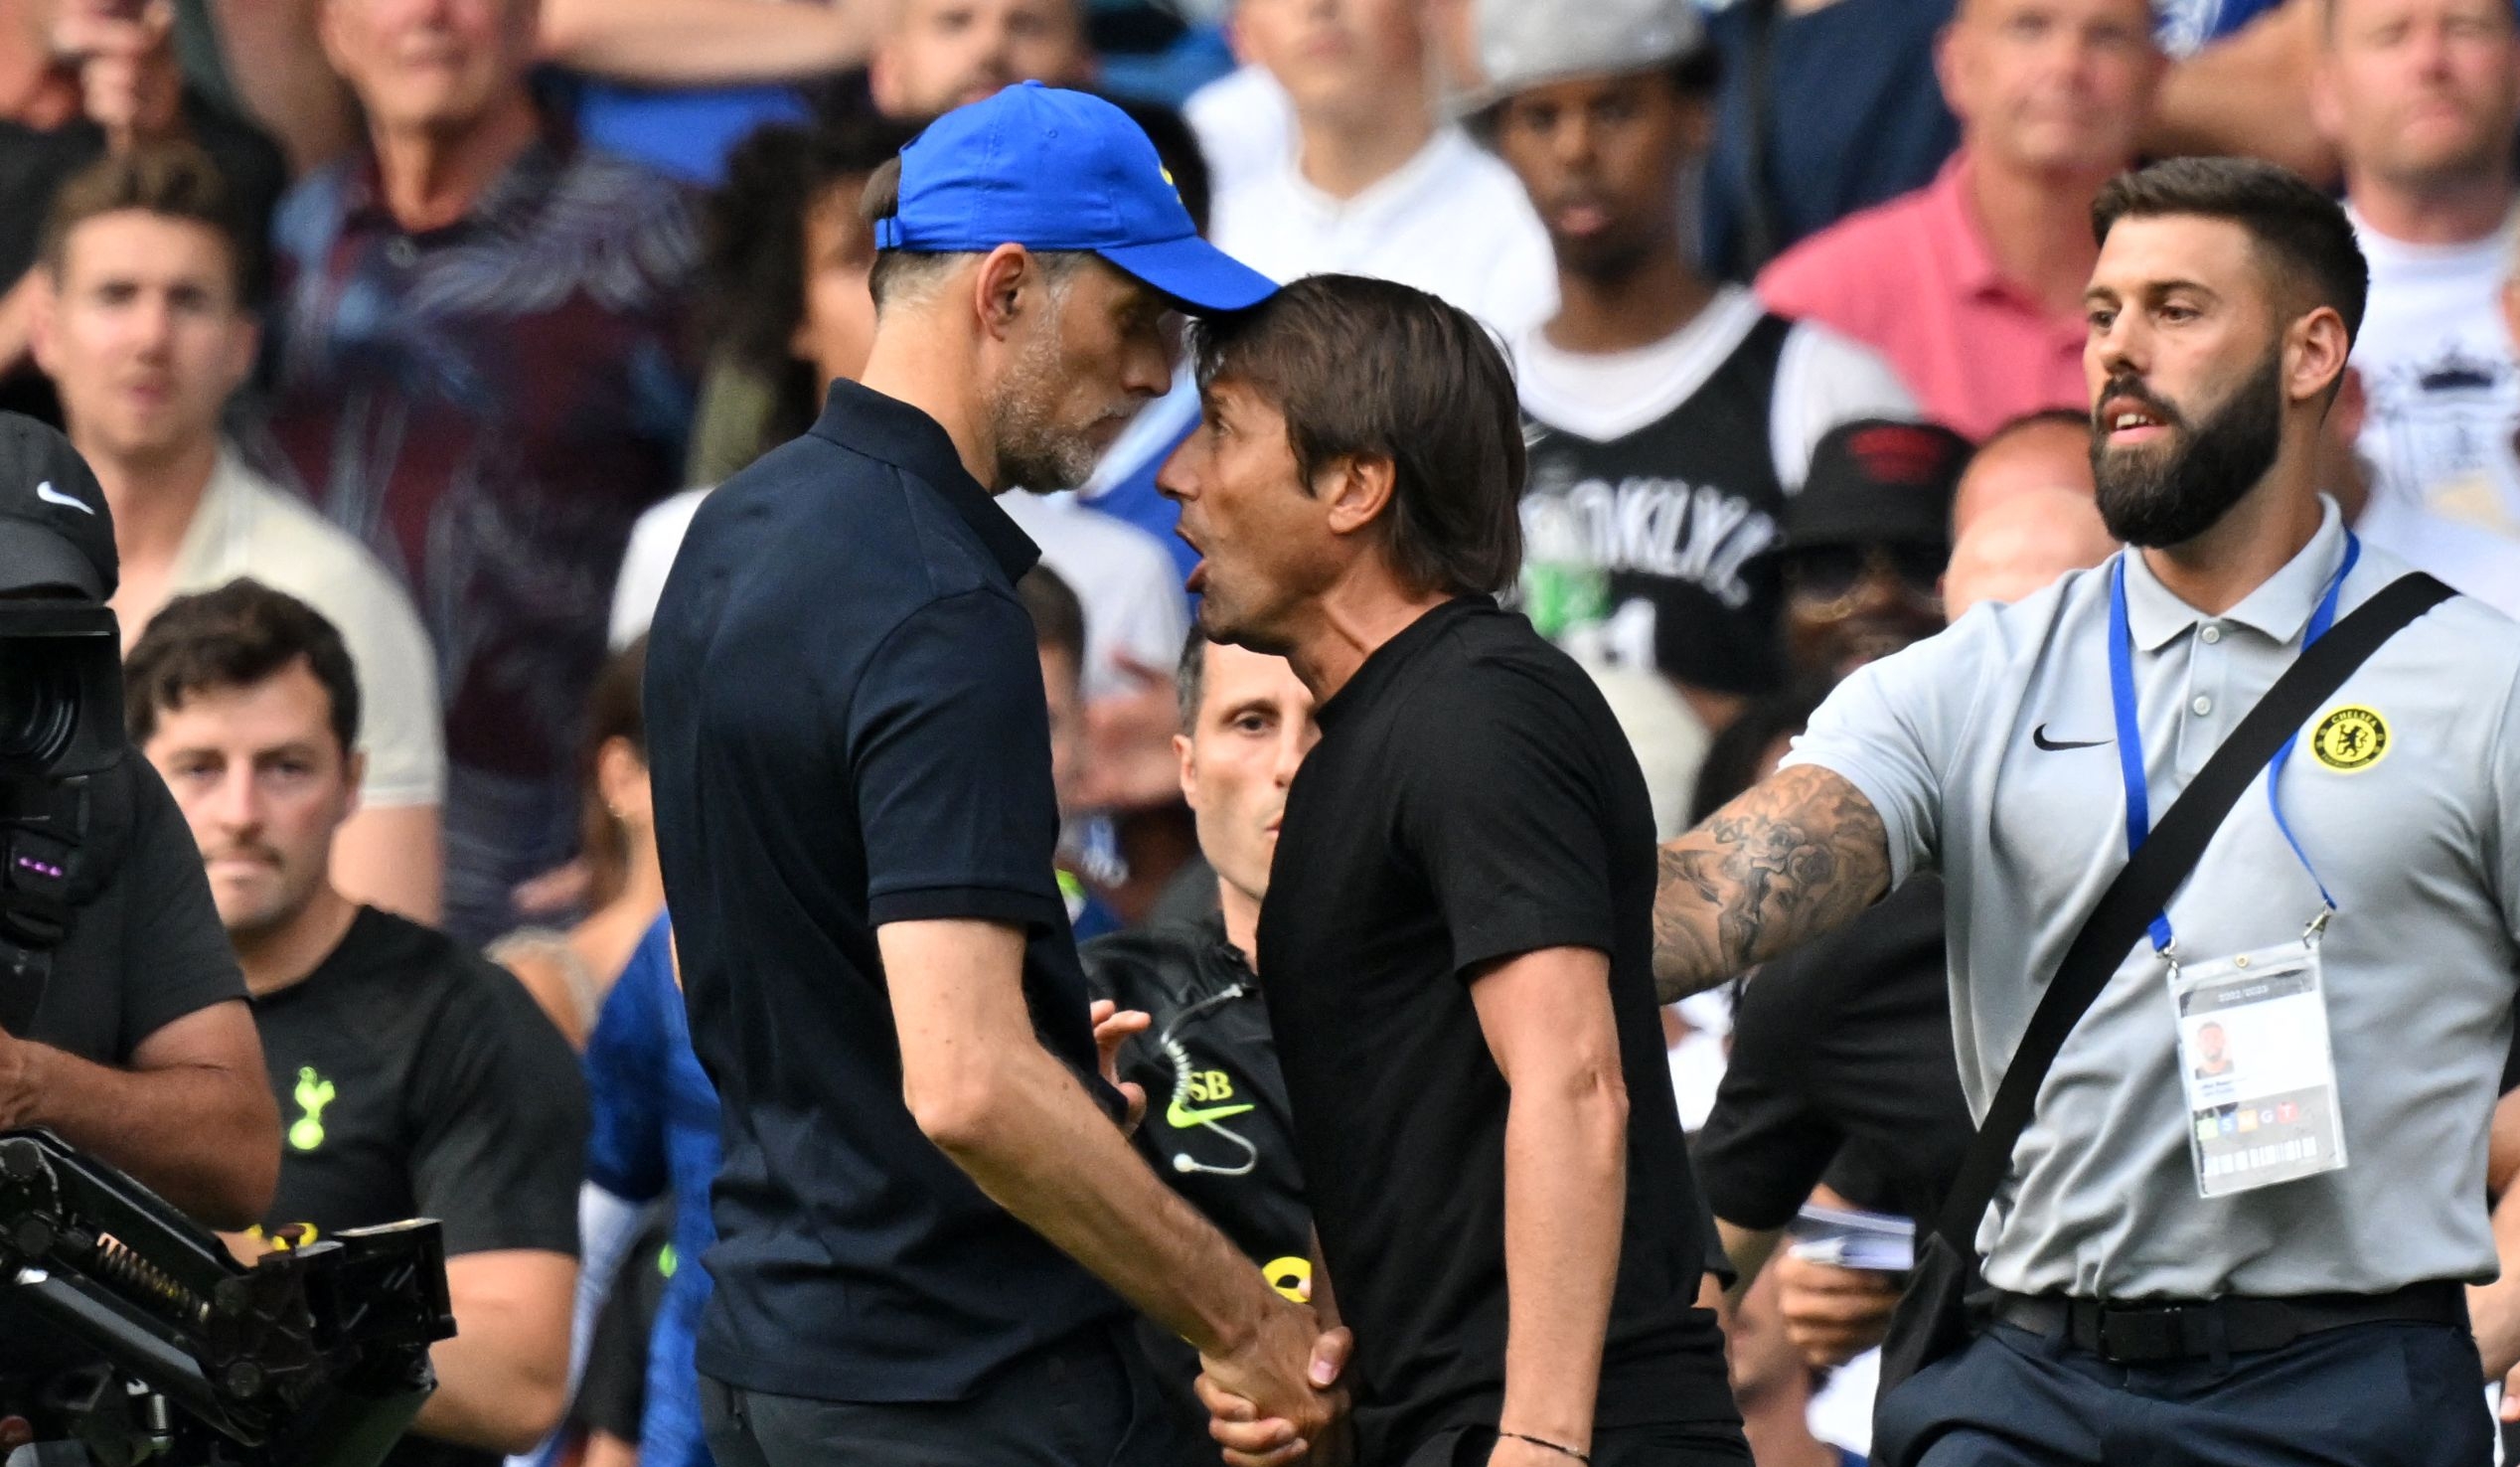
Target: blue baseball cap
1056 170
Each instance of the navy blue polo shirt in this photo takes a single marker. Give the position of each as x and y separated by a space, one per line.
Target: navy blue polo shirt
846 723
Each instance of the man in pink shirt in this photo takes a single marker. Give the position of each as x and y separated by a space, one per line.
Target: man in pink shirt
1972 285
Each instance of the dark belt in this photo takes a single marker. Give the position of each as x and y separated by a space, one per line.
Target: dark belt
2152 1331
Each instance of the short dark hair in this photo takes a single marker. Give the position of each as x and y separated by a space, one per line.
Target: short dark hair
754 258
2302 236
234 636
1058 618
1376 369
172 180
1190 678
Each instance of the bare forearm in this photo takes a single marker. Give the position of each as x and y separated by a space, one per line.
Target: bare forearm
1040 1149
271 50
1796 857
2495 1307
1566 1176
491 1397
220 1163
699 42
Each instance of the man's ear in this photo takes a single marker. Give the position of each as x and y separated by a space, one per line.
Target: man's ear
1185 752
2315 349
1008 281
1357 490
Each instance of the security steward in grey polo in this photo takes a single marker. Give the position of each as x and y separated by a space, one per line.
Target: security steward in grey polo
2262 1267
926 1226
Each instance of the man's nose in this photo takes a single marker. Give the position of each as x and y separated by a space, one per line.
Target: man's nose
238 807
1174 480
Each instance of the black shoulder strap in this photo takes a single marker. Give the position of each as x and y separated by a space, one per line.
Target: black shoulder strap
2155 874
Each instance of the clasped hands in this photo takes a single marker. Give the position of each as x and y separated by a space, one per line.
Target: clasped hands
1278 1400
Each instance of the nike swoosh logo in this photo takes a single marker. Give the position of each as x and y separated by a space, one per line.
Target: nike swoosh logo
2038 735
50 495
1182 1117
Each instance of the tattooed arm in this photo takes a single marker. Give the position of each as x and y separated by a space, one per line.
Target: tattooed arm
1798 856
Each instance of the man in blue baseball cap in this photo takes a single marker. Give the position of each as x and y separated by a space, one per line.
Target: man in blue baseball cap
931 1230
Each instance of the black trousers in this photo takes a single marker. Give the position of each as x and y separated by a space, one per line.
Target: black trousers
1683 1445
2393 1394
1091 1403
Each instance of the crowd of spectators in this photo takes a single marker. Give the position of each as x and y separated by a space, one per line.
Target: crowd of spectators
439 317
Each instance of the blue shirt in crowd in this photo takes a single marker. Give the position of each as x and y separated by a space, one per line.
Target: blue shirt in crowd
655 1131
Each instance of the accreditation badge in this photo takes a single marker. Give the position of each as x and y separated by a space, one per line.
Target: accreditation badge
2254 1062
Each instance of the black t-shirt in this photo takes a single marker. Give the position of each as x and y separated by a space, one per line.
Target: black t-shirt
417 1081
147 948
847 729
1843 1068
1217 1127
1655 548
1471 798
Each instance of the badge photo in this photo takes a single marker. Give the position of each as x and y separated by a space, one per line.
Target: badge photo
2351 739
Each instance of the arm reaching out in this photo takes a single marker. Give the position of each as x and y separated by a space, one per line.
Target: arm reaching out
1797 855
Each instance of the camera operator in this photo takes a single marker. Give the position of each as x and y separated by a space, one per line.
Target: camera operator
120 1004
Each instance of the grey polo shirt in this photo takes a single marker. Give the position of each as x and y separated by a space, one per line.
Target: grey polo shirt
2420 848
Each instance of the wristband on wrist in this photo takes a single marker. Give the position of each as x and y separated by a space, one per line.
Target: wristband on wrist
1563 1451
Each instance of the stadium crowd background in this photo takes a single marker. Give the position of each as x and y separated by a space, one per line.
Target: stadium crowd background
441 315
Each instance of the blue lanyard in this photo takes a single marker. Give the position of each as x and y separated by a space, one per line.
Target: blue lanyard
2130 770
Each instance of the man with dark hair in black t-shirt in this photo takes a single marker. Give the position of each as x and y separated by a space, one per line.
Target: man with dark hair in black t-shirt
1457 936
414 1079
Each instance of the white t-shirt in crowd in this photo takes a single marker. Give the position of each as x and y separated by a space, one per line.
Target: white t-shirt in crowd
1131 591
250 526
2470 559
2439 366
1124 577
1823 379
1245 125
654 539
1453 220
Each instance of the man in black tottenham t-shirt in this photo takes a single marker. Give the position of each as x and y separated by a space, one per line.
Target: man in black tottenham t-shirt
415 1078
1457 934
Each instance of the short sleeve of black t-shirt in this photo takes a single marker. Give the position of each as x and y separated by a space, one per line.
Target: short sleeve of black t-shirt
1505 815
147 949
1842 1066
954 827
415 1080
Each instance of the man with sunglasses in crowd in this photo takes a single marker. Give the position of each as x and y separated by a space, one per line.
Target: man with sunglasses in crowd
1863 546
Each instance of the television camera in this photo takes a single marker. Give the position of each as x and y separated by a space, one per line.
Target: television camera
128 1335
